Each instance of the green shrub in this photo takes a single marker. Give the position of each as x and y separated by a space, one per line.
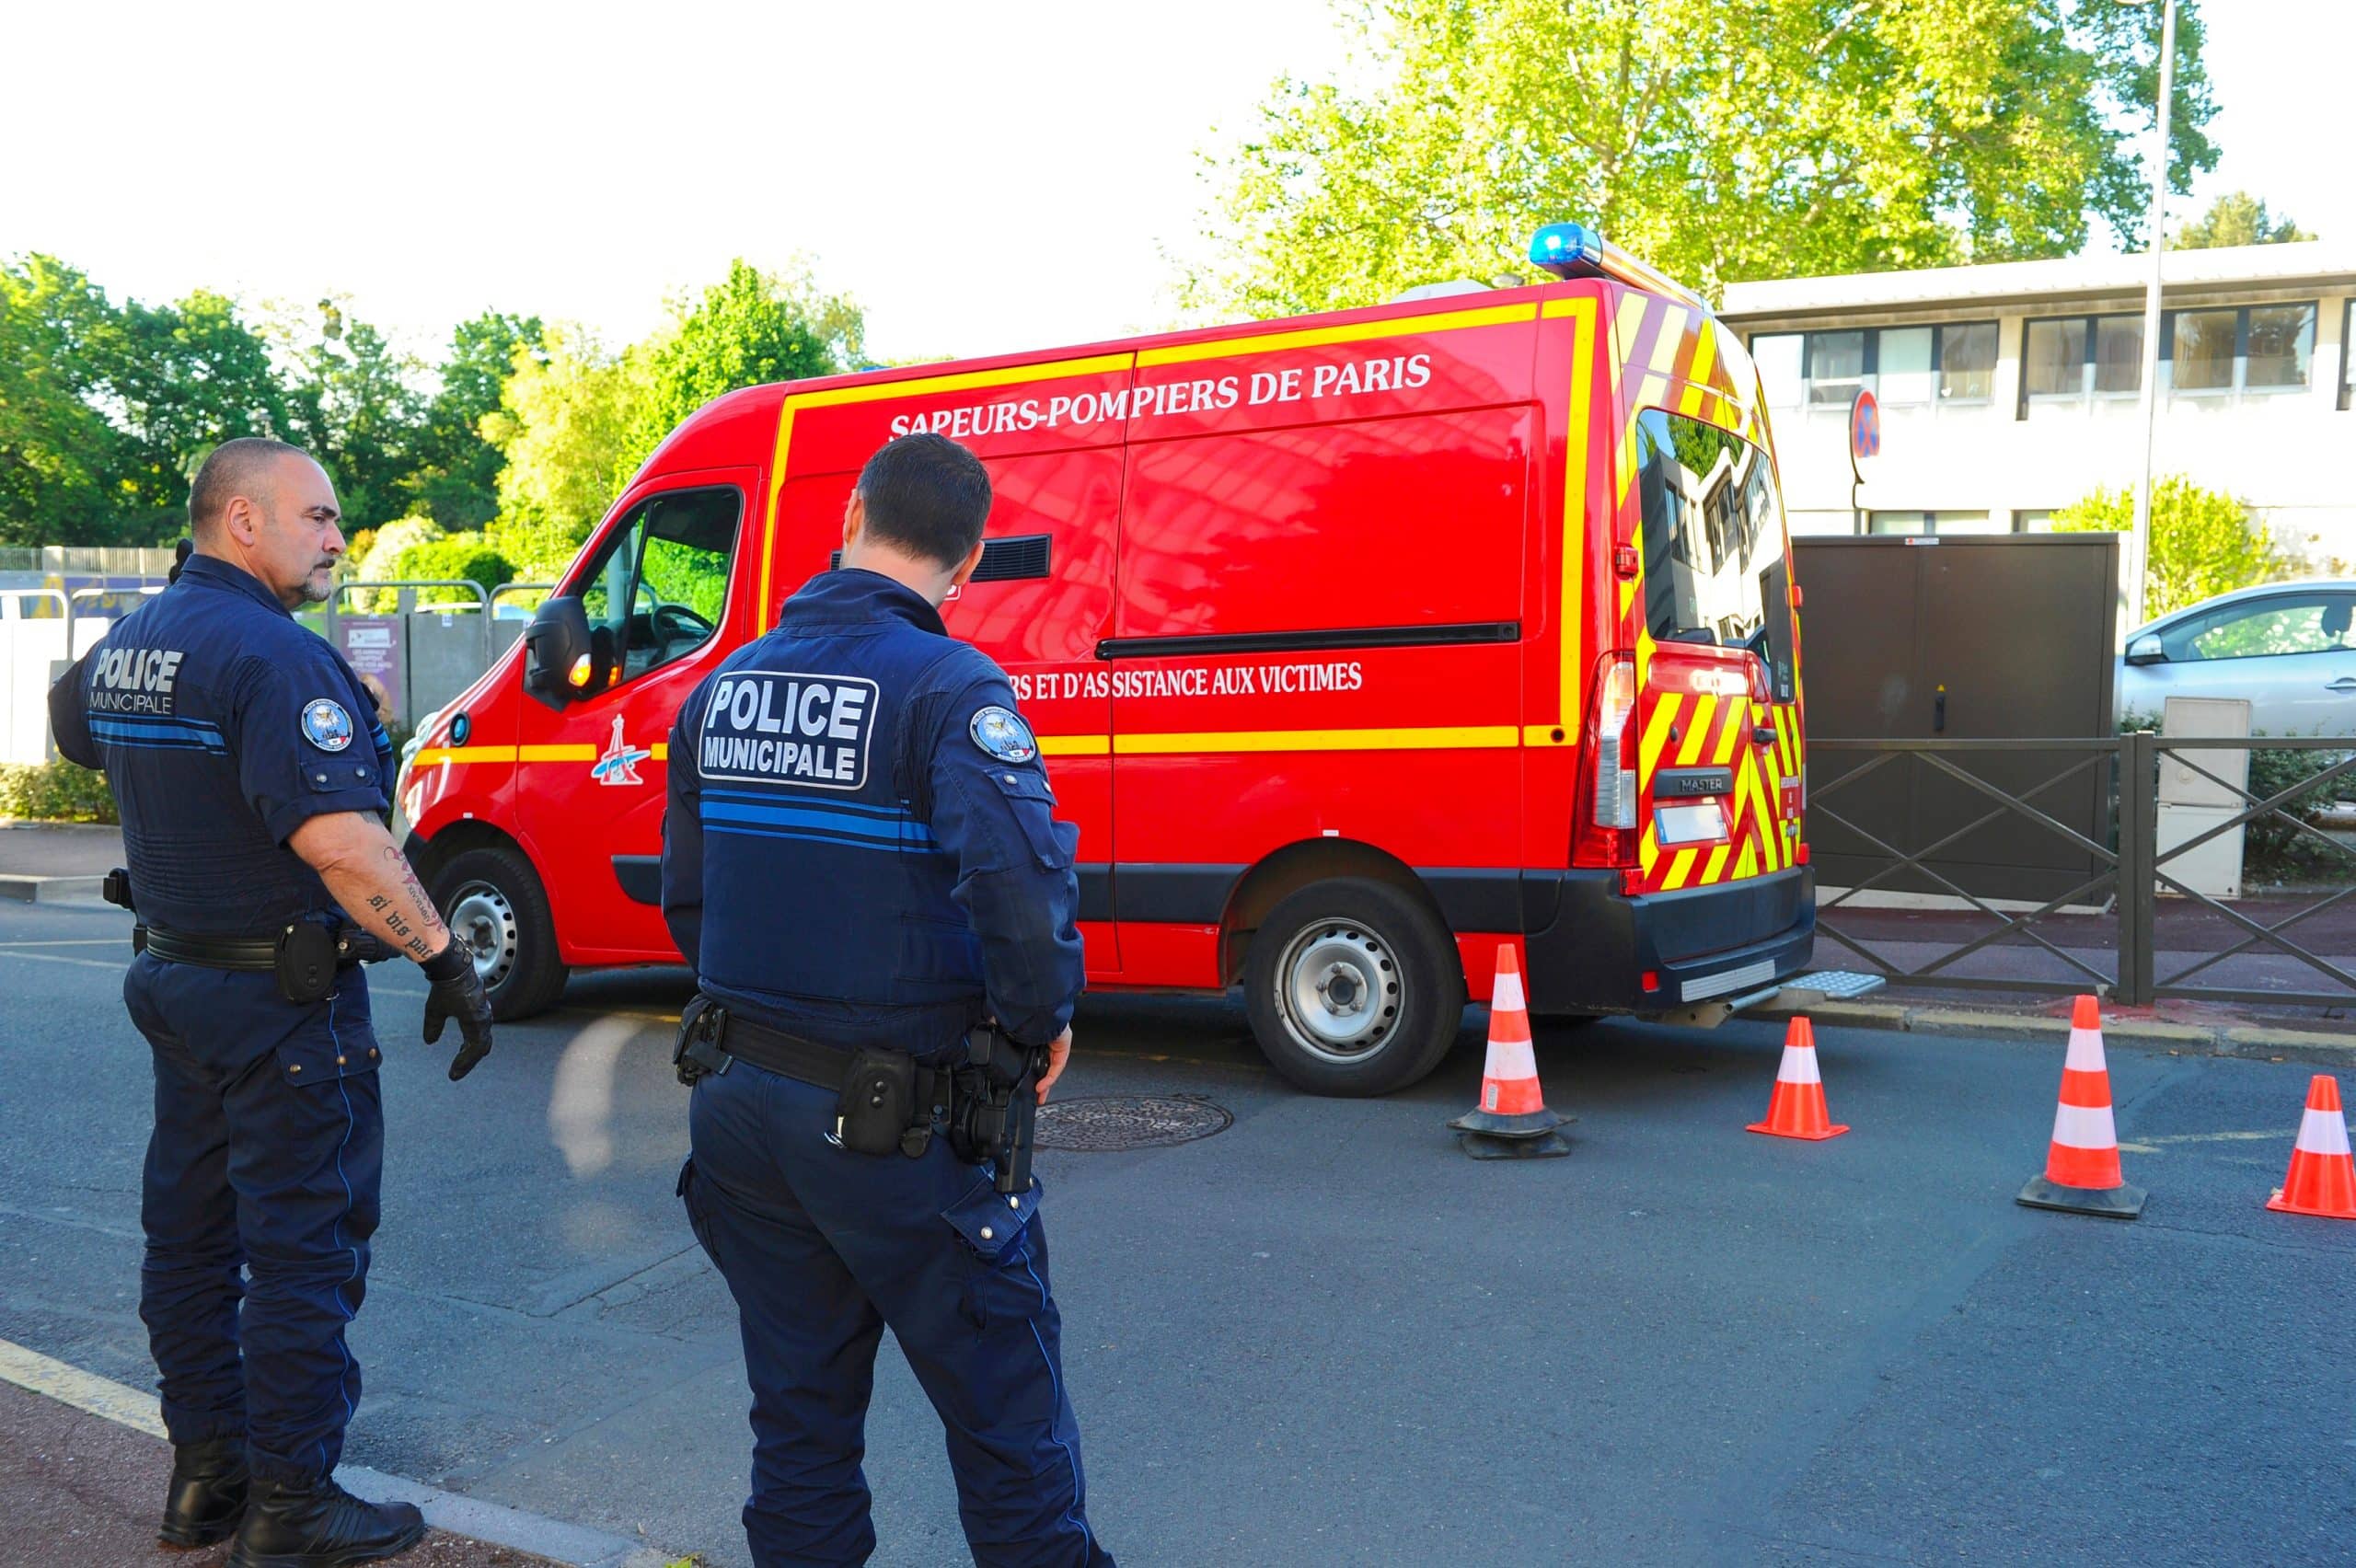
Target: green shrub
2275 850
2204 542
54 791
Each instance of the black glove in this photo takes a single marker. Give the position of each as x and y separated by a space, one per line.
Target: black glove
457 993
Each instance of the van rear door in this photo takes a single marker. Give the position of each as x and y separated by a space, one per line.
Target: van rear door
1716 671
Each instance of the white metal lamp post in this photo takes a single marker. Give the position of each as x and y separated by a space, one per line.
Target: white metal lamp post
2139 548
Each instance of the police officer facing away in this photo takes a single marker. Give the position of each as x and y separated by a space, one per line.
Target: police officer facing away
860 860
252 783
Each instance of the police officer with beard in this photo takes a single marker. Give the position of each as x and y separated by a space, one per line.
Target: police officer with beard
861 863
252 781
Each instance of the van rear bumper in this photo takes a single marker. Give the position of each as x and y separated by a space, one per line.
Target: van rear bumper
1702 942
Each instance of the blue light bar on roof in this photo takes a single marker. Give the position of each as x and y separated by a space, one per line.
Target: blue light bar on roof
1567 250
1574 250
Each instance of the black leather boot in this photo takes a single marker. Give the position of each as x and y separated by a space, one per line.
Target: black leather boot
320 1525
207 1493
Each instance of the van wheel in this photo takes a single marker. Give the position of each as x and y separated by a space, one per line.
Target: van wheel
495 903
1353 989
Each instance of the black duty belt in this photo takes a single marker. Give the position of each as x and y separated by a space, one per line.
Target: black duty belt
256 954
788 1055
212 952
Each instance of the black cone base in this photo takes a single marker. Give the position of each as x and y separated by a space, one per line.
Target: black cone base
2113 1203
1546 1144
1528 1124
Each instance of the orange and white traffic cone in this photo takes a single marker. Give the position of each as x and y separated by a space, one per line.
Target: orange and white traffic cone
1512 1121
1798 1109
2082 1173
2322 1178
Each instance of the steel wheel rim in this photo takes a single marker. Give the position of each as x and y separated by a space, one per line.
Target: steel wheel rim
481 917
1339 991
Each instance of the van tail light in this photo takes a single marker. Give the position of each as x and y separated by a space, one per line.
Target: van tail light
1615 750
1605 818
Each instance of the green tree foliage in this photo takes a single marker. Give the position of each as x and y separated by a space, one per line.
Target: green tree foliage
456 477
576 420
351 406
2236 218
103 411
563 430
1721 140
2204 542
527 433
59 457
750 328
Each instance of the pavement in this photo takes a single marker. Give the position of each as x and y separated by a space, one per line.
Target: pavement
49 861
1323 1336
79 1488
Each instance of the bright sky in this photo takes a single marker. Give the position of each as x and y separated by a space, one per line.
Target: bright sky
981 177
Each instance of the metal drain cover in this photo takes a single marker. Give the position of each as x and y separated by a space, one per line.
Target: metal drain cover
1110 1122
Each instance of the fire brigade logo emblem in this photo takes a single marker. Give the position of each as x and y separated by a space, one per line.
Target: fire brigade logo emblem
619 763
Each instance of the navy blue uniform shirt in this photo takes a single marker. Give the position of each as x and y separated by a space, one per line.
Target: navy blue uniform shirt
860 844
223 725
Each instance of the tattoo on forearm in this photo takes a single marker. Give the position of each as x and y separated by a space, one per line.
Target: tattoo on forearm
421 922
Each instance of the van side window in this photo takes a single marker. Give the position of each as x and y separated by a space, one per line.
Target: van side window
658 586
1713 541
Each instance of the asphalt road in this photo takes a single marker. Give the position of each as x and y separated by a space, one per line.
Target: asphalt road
1324 1337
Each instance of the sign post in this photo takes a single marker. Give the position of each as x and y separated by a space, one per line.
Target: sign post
1864 440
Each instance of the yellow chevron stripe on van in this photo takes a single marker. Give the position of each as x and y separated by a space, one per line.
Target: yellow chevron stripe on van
1680 868
1737 722
1657 732
1705 710
1670 338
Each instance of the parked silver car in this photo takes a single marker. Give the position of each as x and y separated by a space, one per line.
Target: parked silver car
2284 646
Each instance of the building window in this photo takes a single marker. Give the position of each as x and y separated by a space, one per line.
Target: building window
2282 342
2038 522
2219 354
1931 522
1836 366
2199 347
1905 367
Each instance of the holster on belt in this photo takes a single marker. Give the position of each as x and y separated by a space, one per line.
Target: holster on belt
883 1098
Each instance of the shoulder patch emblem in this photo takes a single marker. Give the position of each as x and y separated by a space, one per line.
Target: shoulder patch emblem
326 725
1002 733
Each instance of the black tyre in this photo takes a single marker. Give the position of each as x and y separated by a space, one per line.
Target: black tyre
495 904
1353 989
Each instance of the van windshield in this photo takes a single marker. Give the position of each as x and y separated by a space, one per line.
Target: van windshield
1714 542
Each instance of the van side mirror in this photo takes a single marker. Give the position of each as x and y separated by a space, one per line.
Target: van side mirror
2146 650
560 659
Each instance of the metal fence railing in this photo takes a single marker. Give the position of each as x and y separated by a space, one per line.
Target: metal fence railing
2109 910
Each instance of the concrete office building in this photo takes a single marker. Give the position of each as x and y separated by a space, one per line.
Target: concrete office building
2010 390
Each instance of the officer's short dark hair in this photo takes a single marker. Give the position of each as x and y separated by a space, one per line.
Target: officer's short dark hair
927 495
234 468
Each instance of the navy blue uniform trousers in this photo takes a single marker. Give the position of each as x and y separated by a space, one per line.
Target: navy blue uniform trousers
822 1249
260 1194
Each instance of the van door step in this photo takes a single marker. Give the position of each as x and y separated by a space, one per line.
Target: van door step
1834 984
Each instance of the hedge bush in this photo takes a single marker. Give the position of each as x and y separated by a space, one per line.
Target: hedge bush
54 791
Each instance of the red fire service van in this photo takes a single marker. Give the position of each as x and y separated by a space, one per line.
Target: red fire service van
1358 645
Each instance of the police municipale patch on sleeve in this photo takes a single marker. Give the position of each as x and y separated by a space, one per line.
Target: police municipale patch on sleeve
326 724
1001 733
